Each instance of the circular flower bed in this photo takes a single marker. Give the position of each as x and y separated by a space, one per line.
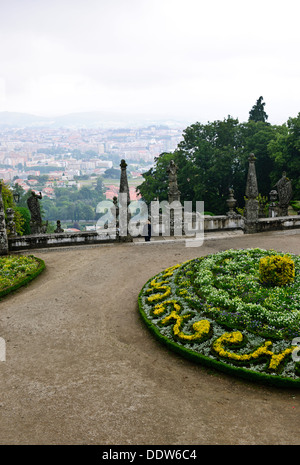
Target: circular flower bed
222 311
18 270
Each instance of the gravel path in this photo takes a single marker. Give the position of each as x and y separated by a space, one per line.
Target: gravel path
81 368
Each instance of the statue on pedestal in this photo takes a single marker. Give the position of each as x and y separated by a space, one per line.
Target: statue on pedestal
35 212
285 192
58 227
11 225
174 193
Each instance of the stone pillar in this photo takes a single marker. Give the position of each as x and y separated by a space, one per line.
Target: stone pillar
173 191
11 225
3 233
175 207
124 187
252 204
124 201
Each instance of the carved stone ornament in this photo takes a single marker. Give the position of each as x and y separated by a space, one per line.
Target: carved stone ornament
58 227
173 191
231 202
285 192
35 212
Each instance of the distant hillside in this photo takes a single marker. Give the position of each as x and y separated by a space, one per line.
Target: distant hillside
11 119
83 120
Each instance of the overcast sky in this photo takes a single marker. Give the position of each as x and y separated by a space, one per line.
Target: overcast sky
191 59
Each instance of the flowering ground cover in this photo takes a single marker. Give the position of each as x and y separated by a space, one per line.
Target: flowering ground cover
237 310
18 270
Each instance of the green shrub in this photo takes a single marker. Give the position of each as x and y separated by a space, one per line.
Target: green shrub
8 202
276 270
25 214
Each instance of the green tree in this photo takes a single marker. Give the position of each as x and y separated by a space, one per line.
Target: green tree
73 204
8 202
257 135
25 213
19 191
85 193
213 157
284 150
210 161
257 112
155 184
112 173
100 187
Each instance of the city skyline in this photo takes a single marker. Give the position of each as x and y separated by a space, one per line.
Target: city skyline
191 61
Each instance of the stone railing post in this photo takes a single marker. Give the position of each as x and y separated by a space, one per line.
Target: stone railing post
285 193
3 233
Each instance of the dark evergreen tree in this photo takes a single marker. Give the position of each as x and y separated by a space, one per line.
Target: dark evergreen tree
257 112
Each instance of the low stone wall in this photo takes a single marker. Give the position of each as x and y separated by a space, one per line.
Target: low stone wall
279 223
223 223
211 224
56 240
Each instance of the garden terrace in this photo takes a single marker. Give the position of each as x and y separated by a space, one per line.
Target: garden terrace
82 368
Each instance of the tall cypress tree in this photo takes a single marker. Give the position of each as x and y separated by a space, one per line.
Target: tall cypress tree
257 112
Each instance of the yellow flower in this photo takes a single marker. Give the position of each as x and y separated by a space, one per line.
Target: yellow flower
276 359
236 337
277 270
201 328
160 308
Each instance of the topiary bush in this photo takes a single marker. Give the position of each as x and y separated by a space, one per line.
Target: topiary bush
276 270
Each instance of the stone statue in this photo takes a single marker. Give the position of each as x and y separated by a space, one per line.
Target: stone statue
174 193
35 212
176 212
284 189
11 225
58 227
